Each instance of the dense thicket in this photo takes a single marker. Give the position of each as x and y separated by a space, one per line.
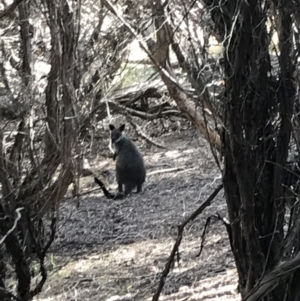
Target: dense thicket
65 67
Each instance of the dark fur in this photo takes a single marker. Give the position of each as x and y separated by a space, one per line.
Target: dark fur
130 167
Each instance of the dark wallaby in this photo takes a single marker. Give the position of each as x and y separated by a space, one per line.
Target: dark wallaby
130 167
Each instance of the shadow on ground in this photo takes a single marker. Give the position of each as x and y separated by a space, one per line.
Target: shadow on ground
116 250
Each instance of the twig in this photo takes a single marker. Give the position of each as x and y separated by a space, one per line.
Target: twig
164 170
142 134
179 238
219 218
41 252
203 236
14 225
144 115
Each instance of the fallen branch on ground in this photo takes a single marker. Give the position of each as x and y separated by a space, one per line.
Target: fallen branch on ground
164 112
165 170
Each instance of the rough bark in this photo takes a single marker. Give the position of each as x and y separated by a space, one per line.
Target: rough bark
10 8
160 53
24 204
258 113
26 46
159 56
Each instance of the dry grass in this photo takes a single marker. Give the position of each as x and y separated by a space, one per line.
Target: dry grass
116 250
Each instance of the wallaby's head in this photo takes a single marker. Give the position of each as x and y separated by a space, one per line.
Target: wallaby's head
116 134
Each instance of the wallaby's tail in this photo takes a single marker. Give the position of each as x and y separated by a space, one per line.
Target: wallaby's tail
106 192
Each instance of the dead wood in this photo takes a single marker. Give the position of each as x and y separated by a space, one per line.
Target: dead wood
159 55
39 192
132 97
203 236
164 110
272 280
166 170
142 134
175 249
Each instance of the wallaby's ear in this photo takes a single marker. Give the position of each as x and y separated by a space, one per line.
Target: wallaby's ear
122 127
111 127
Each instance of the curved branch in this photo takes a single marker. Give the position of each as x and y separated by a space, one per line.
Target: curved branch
274 278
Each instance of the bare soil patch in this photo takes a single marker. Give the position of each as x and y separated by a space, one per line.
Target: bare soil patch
116 250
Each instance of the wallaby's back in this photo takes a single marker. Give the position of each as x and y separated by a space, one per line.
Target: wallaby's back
130 167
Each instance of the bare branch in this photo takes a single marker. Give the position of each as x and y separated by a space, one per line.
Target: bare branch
142 134
282 271
175 249
14 226
10 9
160 61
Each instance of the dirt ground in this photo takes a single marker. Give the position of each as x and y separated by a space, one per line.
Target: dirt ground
116 250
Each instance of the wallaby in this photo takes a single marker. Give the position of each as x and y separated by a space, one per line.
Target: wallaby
130 167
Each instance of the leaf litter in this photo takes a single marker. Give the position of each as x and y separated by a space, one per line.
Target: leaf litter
116 250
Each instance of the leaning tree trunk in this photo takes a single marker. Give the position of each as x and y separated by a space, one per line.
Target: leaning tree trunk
257 133
159 55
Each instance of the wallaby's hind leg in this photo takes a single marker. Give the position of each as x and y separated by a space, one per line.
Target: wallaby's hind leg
128 188
120 187
139 188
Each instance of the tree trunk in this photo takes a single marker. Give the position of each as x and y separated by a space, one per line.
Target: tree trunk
257 119
24 204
